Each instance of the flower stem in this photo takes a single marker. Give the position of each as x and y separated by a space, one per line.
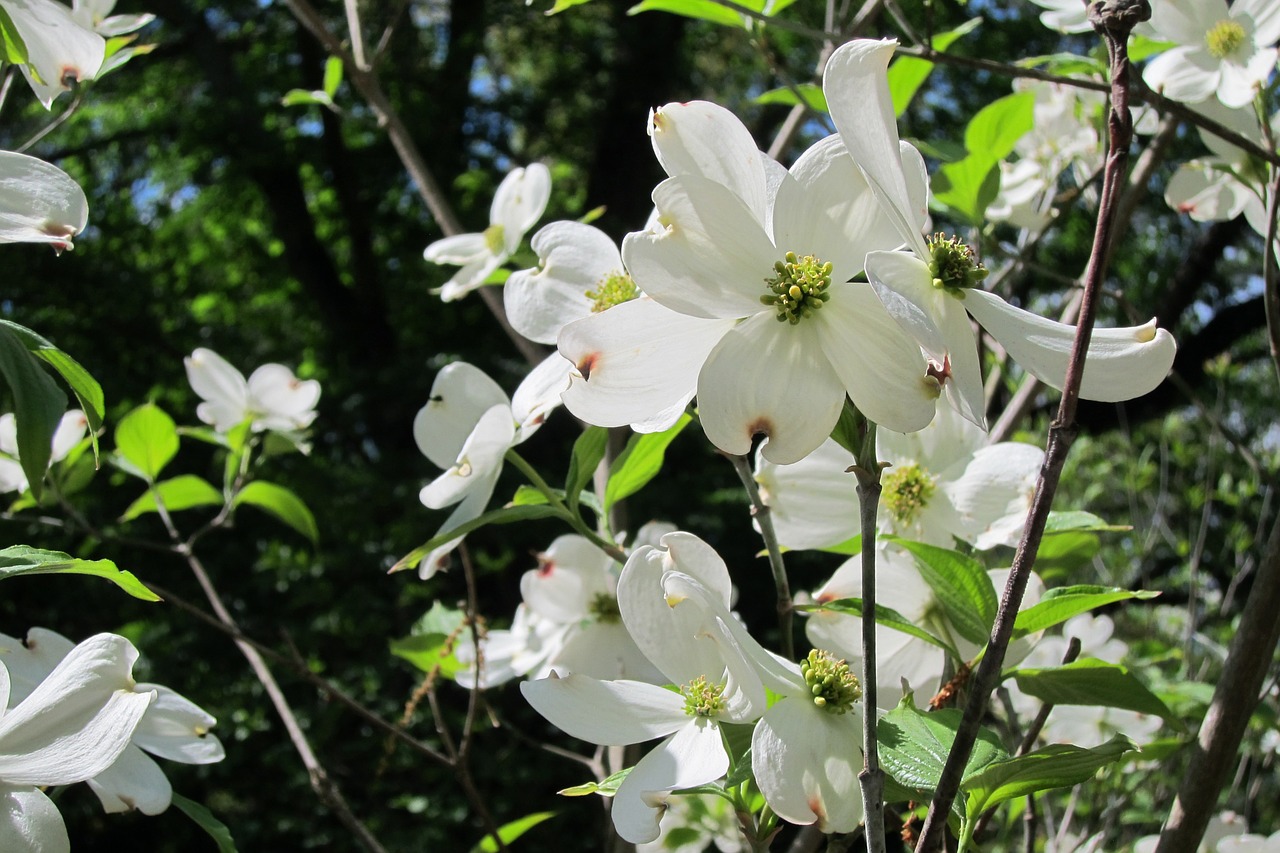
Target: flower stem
570 517
764 521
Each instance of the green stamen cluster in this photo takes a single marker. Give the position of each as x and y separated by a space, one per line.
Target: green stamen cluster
1224 38
952 264
703 699
614 289
799 287
604 607
495 239
907 490
833 686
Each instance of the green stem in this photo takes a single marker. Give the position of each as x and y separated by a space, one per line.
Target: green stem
570 517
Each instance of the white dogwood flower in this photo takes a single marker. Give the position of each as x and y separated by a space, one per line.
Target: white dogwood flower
39 203
272 397
519 202
467 427
70 431
60 50
758 264
1227 51
932 288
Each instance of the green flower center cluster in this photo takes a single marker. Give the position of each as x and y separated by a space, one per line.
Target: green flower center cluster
1224 38
799 288
495 239
703 699
952 264
833 686
604 607
614 289
906 490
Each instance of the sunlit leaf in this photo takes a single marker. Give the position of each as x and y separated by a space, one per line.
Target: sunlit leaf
1055 766
1089 681
182 492
509 832
639 462
281 503
148 439
22 560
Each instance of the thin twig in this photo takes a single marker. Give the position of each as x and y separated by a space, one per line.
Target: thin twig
763 516
1113 19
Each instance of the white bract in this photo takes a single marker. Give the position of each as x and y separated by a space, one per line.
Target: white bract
70 431
1065 16
39 203
1222 50
272 398
96 15
60 50
758 263
931 288
72 726
519 202
173 728
943 483
467 427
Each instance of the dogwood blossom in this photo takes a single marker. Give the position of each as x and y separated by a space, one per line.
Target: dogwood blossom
1227 51
942 483
72 726
467 427
273 398
932 288
96 15
60 51
774 334
519 202
173 727
39 203
70 431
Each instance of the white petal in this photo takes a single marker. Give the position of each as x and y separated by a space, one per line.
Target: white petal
39 203
1239 84
78 721
58 48
1187 74
1186 21
1121 364
576 259
705 139
712 256
119 25
829 211
539 394
569 576
221 386
904 285
478 464
30 822
693 756
458 249
611 713
1206 193
606 651
635 360
813 502
857 89
460 394
993 495
177 729
283 401
133 782
770 378
882 369
519 202
70 431
806 763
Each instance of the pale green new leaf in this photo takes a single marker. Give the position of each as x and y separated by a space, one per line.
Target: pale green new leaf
22 560
561 5
504 515
639 462
15 49
305 97
509 832
1000 124
205 820
704 10
588 450
908 73
182 492
332 76
607 788
1056 766
148 439
281 503
1059 605
812 94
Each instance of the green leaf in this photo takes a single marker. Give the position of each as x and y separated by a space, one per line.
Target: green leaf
1066 551
1141 47
704 10
1079 521
528 496
182 492
968 187
962 588
87 390
22 560
509 832
148 439
15 49
812 94
1089 681
505 515
305 97
639 462
908 73
1067 64
885 616
588 450
561 5
332 76
430 645
914 745
1060 604
205 820
38 406
1056 766
607 788
281 503
1000 124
